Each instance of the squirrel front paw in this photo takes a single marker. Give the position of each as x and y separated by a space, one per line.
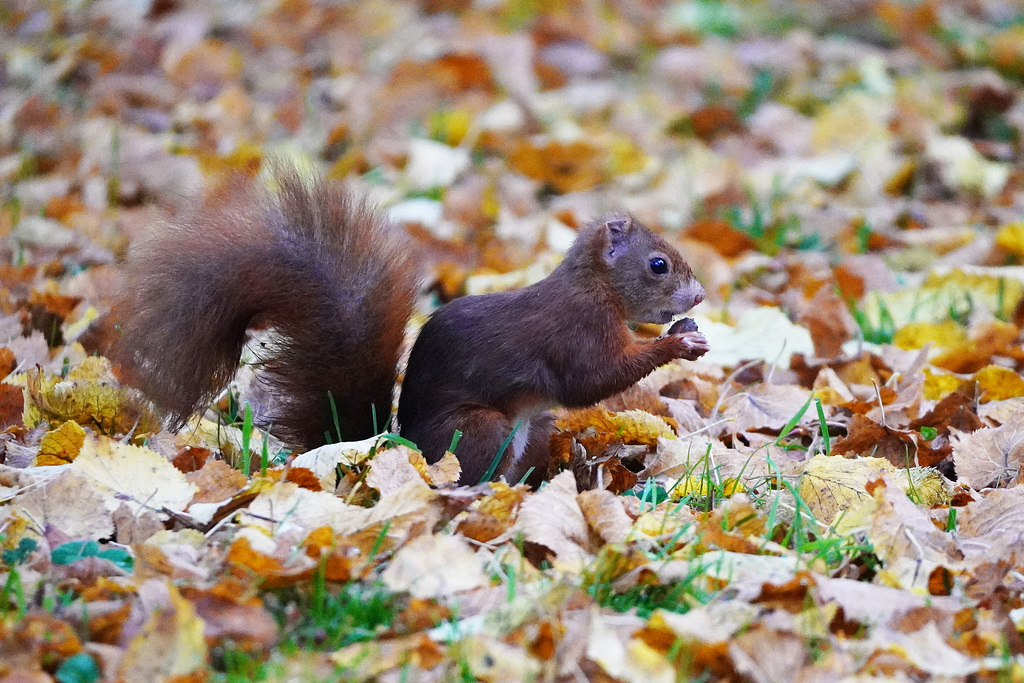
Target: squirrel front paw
692 345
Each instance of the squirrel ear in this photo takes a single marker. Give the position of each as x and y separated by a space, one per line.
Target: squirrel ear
618 230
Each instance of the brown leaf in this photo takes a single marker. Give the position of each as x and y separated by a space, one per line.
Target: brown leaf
867 438
720 235
243 622
566 167
12 403
303 477
216 482
605 514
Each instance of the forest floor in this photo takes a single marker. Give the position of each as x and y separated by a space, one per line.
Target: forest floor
834 490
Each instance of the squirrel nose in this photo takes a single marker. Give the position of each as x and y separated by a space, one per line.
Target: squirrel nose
698 297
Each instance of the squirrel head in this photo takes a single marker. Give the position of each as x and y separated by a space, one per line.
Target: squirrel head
652 279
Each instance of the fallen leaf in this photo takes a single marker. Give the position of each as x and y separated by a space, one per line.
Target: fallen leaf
169 644
990 456
552 518
133 475
435 566
69 502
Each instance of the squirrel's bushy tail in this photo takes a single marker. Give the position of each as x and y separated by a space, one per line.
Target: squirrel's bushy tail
308 259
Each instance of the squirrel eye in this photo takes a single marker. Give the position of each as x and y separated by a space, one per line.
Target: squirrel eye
659 266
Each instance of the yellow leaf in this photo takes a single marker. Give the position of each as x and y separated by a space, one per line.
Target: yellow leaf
96 403
833 485
629 426
699 486
939 385
982 289
626 157
1011 238
998 383
503 501
61 446
449 126
566 167
640 427
915 335
92 369
170 643
132 475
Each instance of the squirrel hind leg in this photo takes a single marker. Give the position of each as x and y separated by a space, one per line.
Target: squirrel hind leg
529 461
483 432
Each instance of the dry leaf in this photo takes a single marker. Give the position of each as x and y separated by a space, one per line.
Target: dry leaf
61 446
99 404
990 456
765 406
133 475
552 518
391 469
605 515
170 643
435 566
445 471
832 486
69 502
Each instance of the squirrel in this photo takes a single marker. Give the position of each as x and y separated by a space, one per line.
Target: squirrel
338 284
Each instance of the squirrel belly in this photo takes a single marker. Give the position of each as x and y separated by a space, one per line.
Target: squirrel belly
337 284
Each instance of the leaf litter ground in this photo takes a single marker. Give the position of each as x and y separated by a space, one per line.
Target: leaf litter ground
835 490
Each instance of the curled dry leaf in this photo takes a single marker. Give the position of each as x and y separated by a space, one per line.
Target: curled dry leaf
552 518
392 468
445 471
629 426
605 514
99 404
494 514
323 461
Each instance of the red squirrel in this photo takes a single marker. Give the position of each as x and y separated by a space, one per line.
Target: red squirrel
338 284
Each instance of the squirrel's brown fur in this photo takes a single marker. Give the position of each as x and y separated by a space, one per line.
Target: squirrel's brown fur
485 364
338 286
